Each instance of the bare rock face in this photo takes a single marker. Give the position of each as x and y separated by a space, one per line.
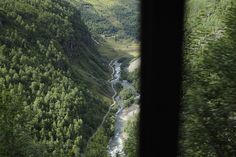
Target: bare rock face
134 65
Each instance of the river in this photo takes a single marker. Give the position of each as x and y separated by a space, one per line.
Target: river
116 143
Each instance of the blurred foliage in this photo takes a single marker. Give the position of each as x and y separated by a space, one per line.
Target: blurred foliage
208 112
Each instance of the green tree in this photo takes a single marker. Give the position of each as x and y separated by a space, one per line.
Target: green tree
15 136
131 147
98 145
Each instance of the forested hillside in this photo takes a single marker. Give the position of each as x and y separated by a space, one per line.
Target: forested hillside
119 18
208 125
52 80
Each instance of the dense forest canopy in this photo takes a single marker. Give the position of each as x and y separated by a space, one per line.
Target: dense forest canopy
46 54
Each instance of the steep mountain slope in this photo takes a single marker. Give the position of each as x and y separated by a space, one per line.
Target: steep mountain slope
51 71
117 18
